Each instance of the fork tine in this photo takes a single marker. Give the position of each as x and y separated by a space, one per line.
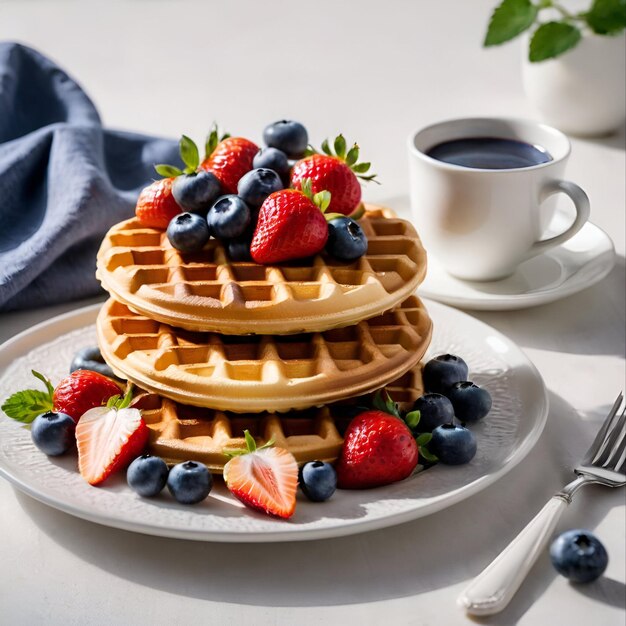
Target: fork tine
616 442
619 466
599 443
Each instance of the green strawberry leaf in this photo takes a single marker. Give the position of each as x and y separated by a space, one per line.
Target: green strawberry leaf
117 402
552 39
189 154
412 419
386 405
607 17
361 168
326 148
340 146
305 188
322 200
167 171
428 456
508 20
24 406
310 150
112 401
424 439
45 380
353 155
332 216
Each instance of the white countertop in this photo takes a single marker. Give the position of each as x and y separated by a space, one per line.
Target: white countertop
375 71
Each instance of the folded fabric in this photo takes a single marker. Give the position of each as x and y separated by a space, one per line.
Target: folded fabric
64 180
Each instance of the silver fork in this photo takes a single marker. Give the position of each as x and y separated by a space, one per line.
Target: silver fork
603 464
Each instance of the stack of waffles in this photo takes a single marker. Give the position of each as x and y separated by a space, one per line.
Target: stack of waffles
285 351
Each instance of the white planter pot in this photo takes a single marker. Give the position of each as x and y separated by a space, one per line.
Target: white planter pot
582 92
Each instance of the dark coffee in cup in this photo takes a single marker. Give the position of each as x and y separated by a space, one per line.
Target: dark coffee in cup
489 153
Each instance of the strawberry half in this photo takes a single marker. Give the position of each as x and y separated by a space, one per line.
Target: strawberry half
229 160
291 225
109 438
156 205
265 479
337 172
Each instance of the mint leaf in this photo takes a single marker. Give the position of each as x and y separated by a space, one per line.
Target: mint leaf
189 153
607 17
509 19
167 171
552 39
24 406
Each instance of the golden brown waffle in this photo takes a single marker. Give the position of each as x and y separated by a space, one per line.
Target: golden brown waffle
208 292
181 433
256 373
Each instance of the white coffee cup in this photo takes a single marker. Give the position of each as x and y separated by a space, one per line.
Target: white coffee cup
482 223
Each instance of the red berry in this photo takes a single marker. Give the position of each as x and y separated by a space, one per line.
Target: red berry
231 159
156 205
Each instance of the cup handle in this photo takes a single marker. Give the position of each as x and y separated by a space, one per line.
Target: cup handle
581 203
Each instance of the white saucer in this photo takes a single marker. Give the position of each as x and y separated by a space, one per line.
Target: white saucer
571 267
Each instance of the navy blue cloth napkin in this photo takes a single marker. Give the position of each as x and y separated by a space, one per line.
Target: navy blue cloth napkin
64 180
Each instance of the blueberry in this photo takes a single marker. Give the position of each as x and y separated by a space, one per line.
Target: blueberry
189 482
443 371
318 480
256 185
288 136
453 444
196 192
435 410
579 555
471 402
53 433
188 232
90 358
272 159
147 475
229 217
239 250
346 239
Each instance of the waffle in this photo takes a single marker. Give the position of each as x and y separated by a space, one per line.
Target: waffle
181 433
208 292
263 373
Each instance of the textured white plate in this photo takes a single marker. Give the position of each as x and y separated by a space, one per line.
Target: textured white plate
567 269
519 412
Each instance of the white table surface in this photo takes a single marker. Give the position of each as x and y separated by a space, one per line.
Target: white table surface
374 71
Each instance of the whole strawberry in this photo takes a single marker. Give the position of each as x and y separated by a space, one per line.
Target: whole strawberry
378 449
337 172
229 158
291 225
156 205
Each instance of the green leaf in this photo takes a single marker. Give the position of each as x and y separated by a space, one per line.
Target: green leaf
607 17
309 151
189 153
332 216
386 405
361 168
250 442
24 406
552 39
211 142
305 187
167 171
424 439
326 148
340 146
112 401
45 380
508 20
353 155
322 199
412 419
428 456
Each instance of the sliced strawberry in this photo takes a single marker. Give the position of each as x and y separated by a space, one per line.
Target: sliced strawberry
83 390
156 205
230 160
265 479
108 439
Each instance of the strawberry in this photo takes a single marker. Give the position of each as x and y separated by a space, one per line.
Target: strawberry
156 205
109 438
265 479
82 390
337 172
378 449
291 225
229 158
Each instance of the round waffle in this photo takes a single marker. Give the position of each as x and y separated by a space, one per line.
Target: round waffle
181 433
208 292
255 373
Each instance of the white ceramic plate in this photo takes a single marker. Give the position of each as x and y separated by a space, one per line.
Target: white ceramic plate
519 412
567 269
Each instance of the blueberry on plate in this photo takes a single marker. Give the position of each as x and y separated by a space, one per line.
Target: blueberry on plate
254 187
346 239
189 482
471 402
53 433
443 371
286 135
197 191
435 410
318 480
579 555
272 159
147 475
453 444
188 232
229 217
90 358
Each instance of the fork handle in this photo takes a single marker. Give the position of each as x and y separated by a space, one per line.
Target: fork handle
494 587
